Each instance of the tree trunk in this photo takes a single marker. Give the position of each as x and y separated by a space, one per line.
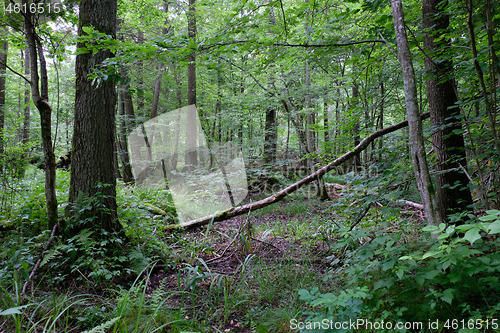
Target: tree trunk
424 182
156 92
452 193
40 96
125 129
480 75
191 153
4 48
270 127
27 111
356 161
92 165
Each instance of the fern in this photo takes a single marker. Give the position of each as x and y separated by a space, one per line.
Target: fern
103 327
51 255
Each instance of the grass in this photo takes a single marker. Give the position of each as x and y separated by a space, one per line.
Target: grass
183 291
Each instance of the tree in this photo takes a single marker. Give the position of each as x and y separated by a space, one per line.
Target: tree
93 146
40 95
191 153
452 193
424 182
4 48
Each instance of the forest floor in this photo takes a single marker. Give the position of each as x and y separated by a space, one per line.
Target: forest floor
244 274
267 245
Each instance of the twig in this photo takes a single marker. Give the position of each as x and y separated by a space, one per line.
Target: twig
387 44
52 235
266 243
240 229
83 276
360 216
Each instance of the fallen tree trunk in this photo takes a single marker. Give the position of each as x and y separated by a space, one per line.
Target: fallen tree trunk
240 210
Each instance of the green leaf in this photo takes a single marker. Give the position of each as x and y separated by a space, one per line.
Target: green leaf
12 311
430 254
88 30
472 235
494 228
430 228
448 295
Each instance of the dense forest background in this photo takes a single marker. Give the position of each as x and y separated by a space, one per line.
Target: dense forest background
369 135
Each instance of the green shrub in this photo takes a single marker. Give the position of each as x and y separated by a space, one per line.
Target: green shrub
456 276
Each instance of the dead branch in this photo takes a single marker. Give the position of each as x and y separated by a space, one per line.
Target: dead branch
32 274
236 211
411 203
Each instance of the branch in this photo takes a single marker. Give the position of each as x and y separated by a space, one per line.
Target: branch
305 45
236 211
13 71
32 274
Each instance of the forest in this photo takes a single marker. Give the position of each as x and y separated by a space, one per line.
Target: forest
249 166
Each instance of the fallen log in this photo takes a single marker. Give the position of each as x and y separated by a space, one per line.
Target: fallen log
240 210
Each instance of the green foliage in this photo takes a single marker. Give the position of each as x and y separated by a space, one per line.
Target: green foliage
388 277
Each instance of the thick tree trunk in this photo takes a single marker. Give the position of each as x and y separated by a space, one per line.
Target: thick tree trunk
92 167
40 96
452 193
240 210
424 182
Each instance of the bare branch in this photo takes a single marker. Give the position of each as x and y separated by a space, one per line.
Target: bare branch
13 71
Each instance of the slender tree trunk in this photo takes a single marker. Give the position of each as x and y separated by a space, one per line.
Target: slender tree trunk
156 92
92 165
452 193
270 127
480 75
4 49
380 122
356 162
125 129
424 182
492 44
40 96
27 111
191 153
140 81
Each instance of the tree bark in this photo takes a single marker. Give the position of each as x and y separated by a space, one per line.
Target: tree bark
452 193
125 129
240 210
4 49
480 75
92 166
424 182
27 111
356 161
40 96
191 153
